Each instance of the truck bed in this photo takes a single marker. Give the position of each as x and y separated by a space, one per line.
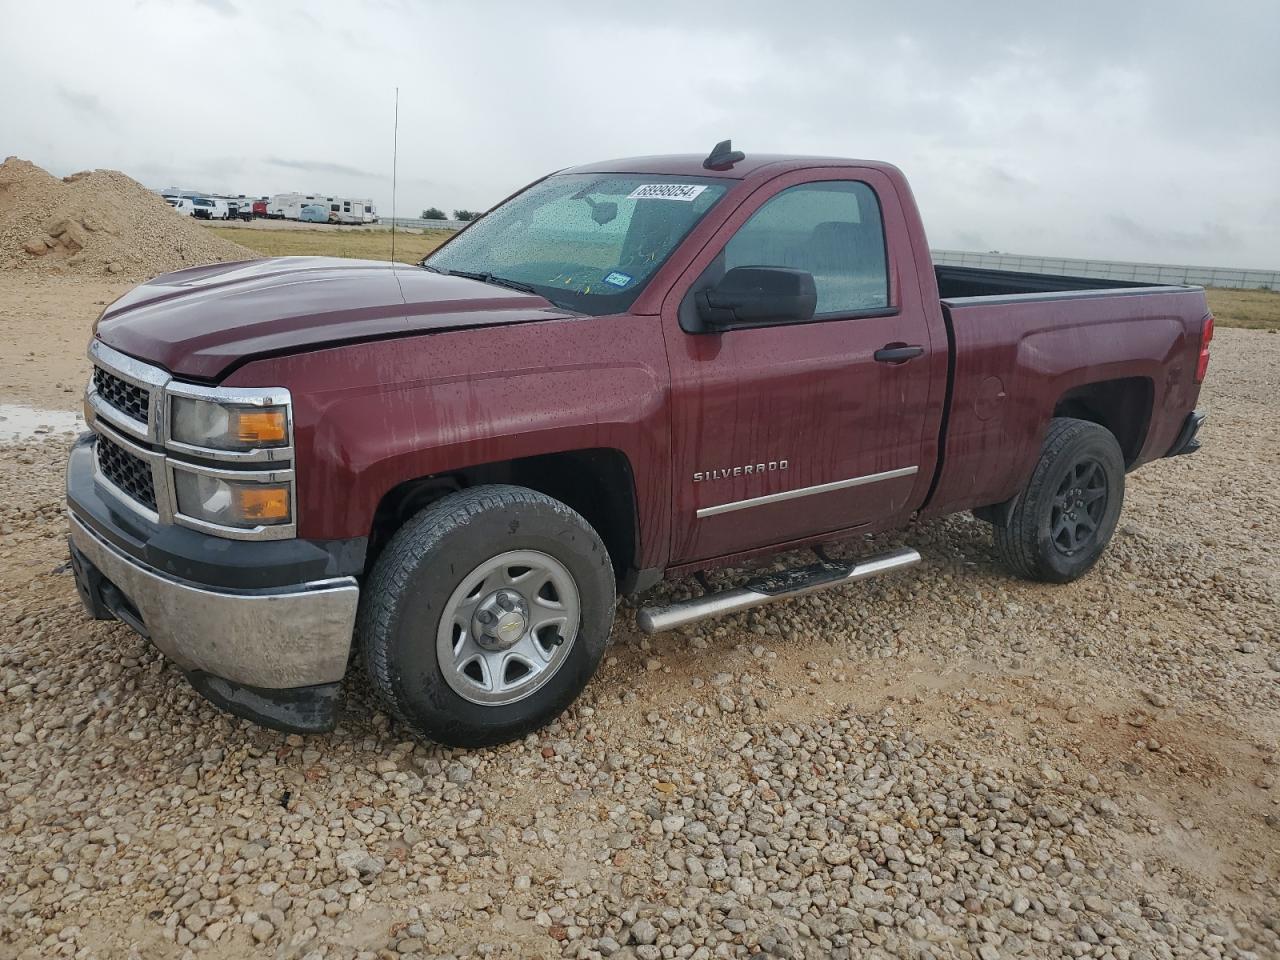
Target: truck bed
1024 345
956 282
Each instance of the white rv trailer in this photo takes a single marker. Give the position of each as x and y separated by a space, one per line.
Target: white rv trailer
352 210
288 206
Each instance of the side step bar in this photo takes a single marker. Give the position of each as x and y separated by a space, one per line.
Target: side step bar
771 587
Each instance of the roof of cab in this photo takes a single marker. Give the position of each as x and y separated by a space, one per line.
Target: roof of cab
690 165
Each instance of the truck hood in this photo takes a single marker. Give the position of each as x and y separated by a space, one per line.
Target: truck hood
199 322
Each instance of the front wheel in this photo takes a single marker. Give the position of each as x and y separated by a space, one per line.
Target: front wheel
486 615
1065 517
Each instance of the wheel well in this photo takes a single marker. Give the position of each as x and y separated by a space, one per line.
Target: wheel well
598 483
1122 406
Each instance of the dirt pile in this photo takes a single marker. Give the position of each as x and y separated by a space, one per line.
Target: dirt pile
97 222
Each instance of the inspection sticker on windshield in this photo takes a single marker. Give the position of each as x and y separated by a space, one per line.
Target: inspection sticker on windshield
667 191
618 279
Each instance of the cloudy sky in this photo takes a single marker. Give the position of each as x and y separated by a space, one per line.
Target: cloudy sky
1125 130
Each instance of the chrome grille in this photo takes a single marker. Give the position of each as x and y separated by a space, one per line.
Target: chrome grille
131 400
127 405
128 473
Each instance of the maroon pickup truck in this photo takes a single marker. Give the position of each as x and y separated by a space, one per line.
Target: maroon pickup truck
628 370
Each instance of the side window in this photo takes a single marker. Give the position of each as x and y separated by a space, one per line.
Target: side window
832 230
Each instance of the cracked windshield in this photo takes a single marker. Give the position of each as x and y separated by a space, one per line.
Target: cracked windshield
584 241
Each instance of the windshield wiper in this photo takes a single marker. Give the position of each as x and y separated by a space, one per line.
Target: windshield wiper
486 277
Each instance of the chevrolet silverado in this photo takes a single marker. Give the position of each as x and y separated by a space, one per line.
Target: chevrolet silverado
627 371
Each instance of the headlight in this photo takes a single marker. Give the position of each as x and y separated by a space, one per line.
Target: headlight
232 503
204 423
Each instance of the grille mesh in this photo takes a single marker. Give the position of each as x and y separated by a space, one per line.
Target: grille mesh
129 473
130 400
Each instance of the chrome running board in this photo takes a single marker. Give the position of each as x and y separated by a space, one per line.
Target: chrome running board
771 587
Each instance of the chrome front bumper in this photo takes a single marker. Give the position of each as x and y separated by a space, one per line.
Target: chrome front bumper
275 639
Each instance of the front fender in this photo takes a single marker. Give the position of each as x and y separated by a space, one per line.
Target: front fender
371 416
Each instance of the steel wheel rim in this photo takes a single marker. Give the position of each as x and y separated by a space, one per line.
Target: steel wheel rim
497 637
1079 505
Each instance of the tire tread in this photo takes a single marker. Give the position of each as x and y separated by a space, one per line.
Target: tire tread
1016 542
413 543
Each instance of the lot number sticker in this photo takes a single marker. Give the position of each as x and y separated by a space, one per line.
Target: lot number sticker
666 191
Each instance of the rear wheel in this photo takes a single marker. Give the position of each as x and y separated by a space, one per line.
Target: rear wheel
1068 512
486 615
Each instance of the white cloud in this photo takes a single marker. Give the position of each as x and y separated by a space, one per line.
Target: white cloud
1106 130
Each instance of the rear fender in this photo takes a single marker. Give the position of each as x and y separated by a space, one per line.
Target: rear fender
1016 361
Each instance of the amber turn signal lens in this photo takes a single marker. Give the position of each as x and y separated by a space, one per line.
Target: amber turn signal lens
261 426
264 504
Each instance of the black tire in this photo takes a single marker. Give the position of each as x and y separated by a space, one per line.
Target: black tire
1057 529
427 560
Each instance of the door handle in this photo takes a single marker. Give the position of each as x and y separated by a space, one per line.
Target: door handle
897 353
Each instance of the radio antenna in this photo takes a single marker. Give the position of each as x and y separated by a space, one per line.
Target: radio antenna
395 150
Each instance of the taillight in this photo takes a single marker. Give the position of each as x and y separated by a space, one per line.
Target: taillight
1206 334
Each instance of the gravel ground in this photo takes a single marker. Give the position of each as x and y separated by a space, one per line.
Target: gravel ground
950 763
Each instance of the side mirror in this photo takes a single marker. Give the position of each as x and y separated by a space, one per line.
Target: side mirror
755 296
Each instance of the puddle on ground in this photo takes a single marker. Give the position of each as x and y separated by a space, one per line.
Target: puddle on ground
22 424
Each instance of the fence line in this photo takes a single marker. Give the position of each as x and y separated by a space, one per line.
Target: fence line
417 223
1155 273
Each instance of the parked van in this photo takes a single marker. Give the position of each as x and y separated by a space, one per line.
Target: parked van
208 209
182 205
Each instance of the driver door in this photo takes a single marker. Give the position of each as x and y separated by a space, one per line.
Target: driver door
786 432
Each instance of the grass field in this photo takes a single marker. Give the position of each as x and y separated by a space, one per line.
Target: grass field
357 244
1252 309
